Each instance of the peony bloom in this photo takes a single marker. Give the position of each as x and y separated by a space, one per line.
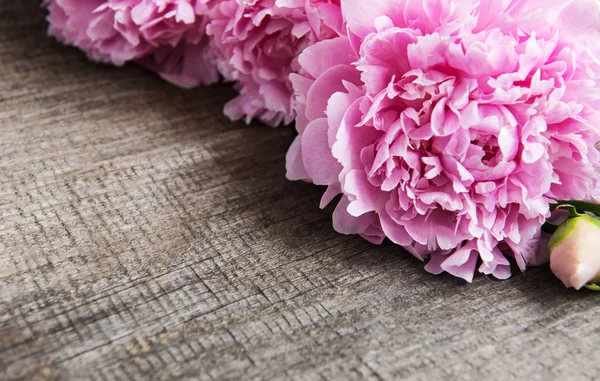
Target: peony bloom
449 126
574 256
165 35
257 43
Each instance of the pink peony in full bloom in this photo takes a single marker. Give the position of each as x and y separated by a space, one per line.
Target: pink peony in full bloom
449 126
257 43
165 35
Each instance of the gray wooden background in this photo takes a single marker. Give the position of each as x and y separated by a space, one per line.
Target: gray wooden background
144 236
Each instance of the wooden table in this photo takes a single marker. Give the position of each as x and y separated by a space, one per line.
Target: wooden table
144 236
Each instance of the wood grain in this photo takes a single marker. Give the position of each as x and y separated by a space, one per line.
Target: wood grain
144 236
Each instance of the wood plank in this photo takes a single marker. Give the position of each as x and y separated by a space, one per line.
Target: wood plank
144 236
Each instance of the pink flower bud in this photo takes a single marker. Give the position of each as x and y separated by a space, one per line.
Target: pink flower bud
575 251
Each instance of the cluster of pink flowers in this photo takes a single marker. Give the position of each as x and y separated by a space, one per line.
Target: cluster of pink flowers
168 36
254 43
448 126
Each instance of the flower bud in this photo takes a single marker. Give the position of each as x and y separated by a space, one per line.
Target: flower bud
575 251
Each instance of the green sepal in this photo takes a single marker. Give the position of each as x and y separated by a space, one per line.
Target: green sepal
562 232
567 227
593 286
591 219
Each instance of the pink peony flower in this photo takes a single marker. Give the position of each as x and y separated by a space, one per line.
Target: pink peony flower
165 35
257 43
449 125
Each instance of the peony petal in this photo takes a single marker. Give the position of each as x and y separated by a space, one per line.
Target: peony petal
320 165
318 58
361 15
462 262
330 82
294 165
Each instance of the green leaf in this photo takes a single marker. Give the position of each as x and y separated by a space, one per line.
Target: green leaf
593 287
581 206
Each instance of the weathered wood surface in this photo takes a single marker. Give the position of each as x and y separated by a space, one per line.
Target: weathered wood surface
143 236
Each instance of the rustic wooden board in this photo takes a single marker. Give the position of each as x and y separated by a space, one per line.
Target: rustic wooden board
143 236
